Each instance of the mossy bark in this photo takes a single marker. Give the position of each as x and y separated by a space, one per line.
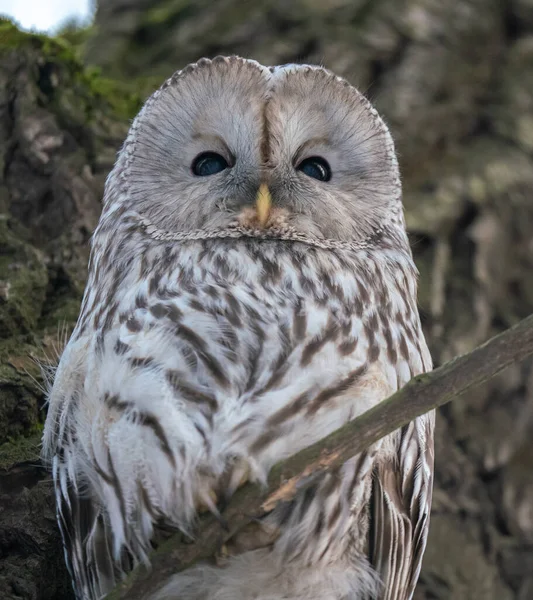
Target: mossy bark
58 138
454 81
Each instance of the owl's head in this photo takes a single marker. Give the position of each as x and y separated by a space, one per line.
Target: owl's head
228 140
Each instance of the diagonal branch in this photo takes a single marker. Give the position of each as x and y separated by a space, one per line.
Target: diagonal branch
422 394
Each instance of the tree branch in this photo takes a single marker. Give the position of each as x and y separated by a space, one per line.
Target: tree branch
422 394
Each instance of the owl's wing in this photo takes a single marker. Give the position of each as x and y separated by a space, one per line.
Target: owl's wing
86 536
401 502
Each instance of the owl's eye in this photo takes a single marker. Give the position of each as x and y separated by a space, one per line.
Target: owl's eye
315 167
208 163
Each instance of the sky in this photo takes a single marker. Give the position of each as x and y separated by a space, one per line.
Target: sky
44 15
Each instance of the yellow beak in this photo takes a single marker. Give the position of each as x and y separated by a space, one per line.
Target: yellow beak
263 203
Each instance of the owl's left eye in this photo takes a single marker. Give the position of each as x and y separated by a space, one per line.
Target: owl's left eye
315 167
208 163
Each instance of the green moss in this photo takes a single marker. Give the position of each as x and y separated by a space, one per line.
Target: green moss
21 449
124 98
21 389
12 37
64 311
78 90
22 285
75 34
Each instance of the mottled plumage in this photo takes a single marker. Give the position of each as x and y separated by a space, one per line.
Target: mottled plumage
215 339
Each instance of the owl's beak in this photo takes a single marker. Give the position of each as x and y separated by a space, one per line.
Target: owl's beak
263 204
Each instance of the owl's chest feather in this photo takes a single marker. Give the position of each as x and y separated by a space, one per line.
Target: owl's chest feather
245 339
250 357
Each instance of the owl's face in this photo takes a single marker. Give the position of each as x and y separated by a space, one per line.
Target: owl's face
200 149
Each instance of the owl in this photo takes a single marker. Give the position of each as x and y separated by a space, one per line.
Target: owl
251 289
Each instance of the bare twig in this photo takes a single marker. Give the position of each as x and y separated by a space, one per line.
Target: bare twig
420 395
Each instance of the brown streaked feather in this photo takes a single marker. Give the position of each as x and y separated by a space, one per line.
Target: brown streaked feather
400 507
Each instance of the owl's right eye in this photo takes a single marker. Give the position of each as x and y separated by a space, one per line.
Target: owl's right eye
208 163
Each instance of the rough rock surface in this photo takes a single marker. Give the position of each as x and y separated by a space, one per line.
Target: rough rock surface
455 82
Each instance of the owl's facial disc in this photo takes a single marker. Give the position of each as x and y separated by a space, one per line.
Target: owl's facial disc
229 140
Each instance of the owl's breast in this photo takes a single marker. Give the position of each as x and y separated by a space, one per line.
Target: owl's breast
264 353
227 356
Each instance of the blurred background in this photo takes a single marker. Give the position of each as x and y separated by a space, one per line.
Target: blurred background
50 16
453 79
